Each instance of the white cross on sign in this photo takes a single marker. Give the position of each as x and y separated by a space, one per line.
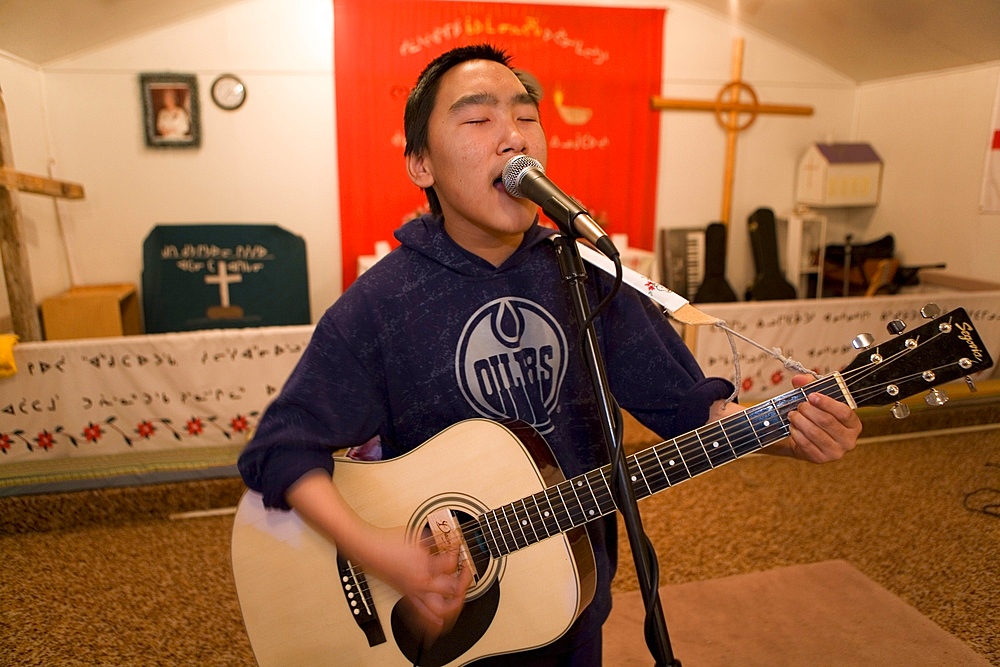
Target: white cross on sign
223 280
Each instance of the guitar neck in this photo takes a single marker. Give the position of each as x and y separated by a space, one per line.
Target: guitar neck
587 497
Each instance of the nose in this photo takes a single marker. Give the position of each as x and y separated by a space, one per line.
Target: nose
513 141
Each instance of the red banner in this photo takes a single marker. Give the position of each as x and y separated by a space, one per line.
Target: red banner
598 68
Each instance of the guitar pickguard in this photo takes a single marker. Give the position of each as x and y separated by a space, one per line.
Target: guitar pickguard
472 624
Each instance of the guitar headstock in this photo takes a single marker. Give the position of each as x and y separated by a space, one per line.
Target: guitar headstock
944 349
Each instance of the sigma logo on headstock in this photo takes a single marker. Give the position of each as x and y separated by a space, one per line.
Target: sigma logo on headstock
966 330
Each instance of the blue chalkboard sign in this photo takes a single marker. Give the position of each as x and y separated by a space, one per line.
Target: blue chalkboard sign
223 276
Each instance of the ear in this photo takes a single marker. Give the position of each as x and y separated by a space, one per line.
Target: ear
420 170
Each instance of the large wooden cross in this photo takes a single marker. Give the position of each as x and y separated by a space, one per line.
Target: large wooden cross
13 251
736 107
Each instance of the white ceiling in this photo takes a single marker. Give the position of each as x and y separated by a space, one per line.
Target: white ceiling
42 31
863 39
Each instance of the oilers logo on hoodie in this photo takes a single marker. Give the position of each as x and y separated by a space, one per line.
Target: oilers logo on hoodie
511 361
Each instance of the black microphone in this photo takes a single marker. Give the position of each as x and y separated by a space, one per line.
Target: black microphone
524 178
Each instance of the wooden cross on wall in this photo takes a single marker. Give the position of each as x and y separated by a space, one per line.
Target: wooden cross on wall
735 99
13 251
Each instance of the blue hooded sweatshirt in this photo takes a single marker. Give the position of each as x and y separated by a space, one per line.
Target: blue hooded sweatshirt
433 335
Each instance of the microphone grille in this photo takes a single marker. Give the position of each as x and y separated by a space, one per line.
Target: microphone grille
513 170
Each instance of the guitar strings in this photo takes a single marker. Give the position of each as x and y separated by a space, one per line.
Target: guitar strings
685 445
361 581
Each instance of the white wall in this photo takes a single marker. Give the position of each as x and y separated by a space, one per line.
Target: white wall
24 97
933 133
274 160
698 53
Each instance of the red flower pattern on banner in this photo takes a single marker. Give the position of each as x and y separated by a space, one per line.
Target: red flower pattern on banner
747 384
146 429
777 377
93 432
195 426
45 440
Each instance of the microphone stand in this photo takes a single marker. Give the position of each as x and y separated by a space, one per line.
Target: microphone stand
657 639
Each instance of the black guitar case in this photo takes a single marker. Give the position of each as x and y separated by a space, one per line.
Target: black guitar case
714 288
770 282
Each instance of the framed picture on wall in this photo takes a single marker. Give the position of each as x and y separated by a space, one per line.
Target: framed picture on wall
171 114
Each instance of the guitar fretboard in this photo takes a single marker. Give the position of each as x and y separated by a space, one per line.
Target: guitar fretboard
577 501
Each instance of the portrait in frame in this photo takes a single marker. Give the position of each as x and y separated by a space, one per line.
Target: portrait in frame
171 114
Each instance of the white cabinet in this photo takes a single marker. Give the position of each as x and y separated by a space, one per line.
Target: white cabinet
805 247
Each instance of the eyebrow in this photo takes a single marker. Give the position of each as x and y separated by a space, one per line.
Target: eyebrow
489 99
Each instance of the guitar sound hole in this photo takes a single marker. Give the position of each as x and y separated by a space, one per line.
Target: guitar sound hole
476 617
486 569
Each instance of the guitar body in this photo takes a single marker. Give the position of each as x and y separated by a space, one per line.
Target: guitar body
294 605
770 282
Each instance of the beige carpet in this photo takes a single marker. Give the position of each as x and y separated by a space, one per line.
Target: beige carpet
103 578
825 613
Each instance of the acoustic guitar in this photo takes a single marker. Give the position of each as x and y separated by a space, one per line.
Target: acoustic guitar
497 490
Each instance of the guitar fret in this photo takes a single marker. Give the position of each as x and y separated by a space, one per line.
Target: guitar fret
695 457
750 422
540 519
494 532
745 442
549 515
635 473
575 518
784 404
677 468
512 531
593 509
656 472
520 521
768 423
504 534
701 443
564 508
544 516
609 505
530 521
720 446
663 469
579 516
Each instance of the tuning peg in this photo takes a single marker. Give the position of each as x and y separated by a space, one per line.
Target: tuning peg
936 397
900 410
930 311
863 341
896 327
971 384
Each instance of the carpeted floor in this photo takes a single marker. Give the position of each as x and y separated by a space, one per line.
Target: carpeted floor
920 517
824 614
104 578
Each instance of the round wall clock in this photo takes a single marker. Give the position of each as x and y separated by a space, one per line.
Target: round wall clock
228 92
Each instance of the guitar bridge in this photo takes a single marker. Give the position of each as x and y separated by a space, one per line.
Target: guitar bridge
359 600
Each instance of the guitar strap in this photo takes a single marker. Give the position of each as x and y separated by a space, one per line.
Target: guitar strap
682 311
678 307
